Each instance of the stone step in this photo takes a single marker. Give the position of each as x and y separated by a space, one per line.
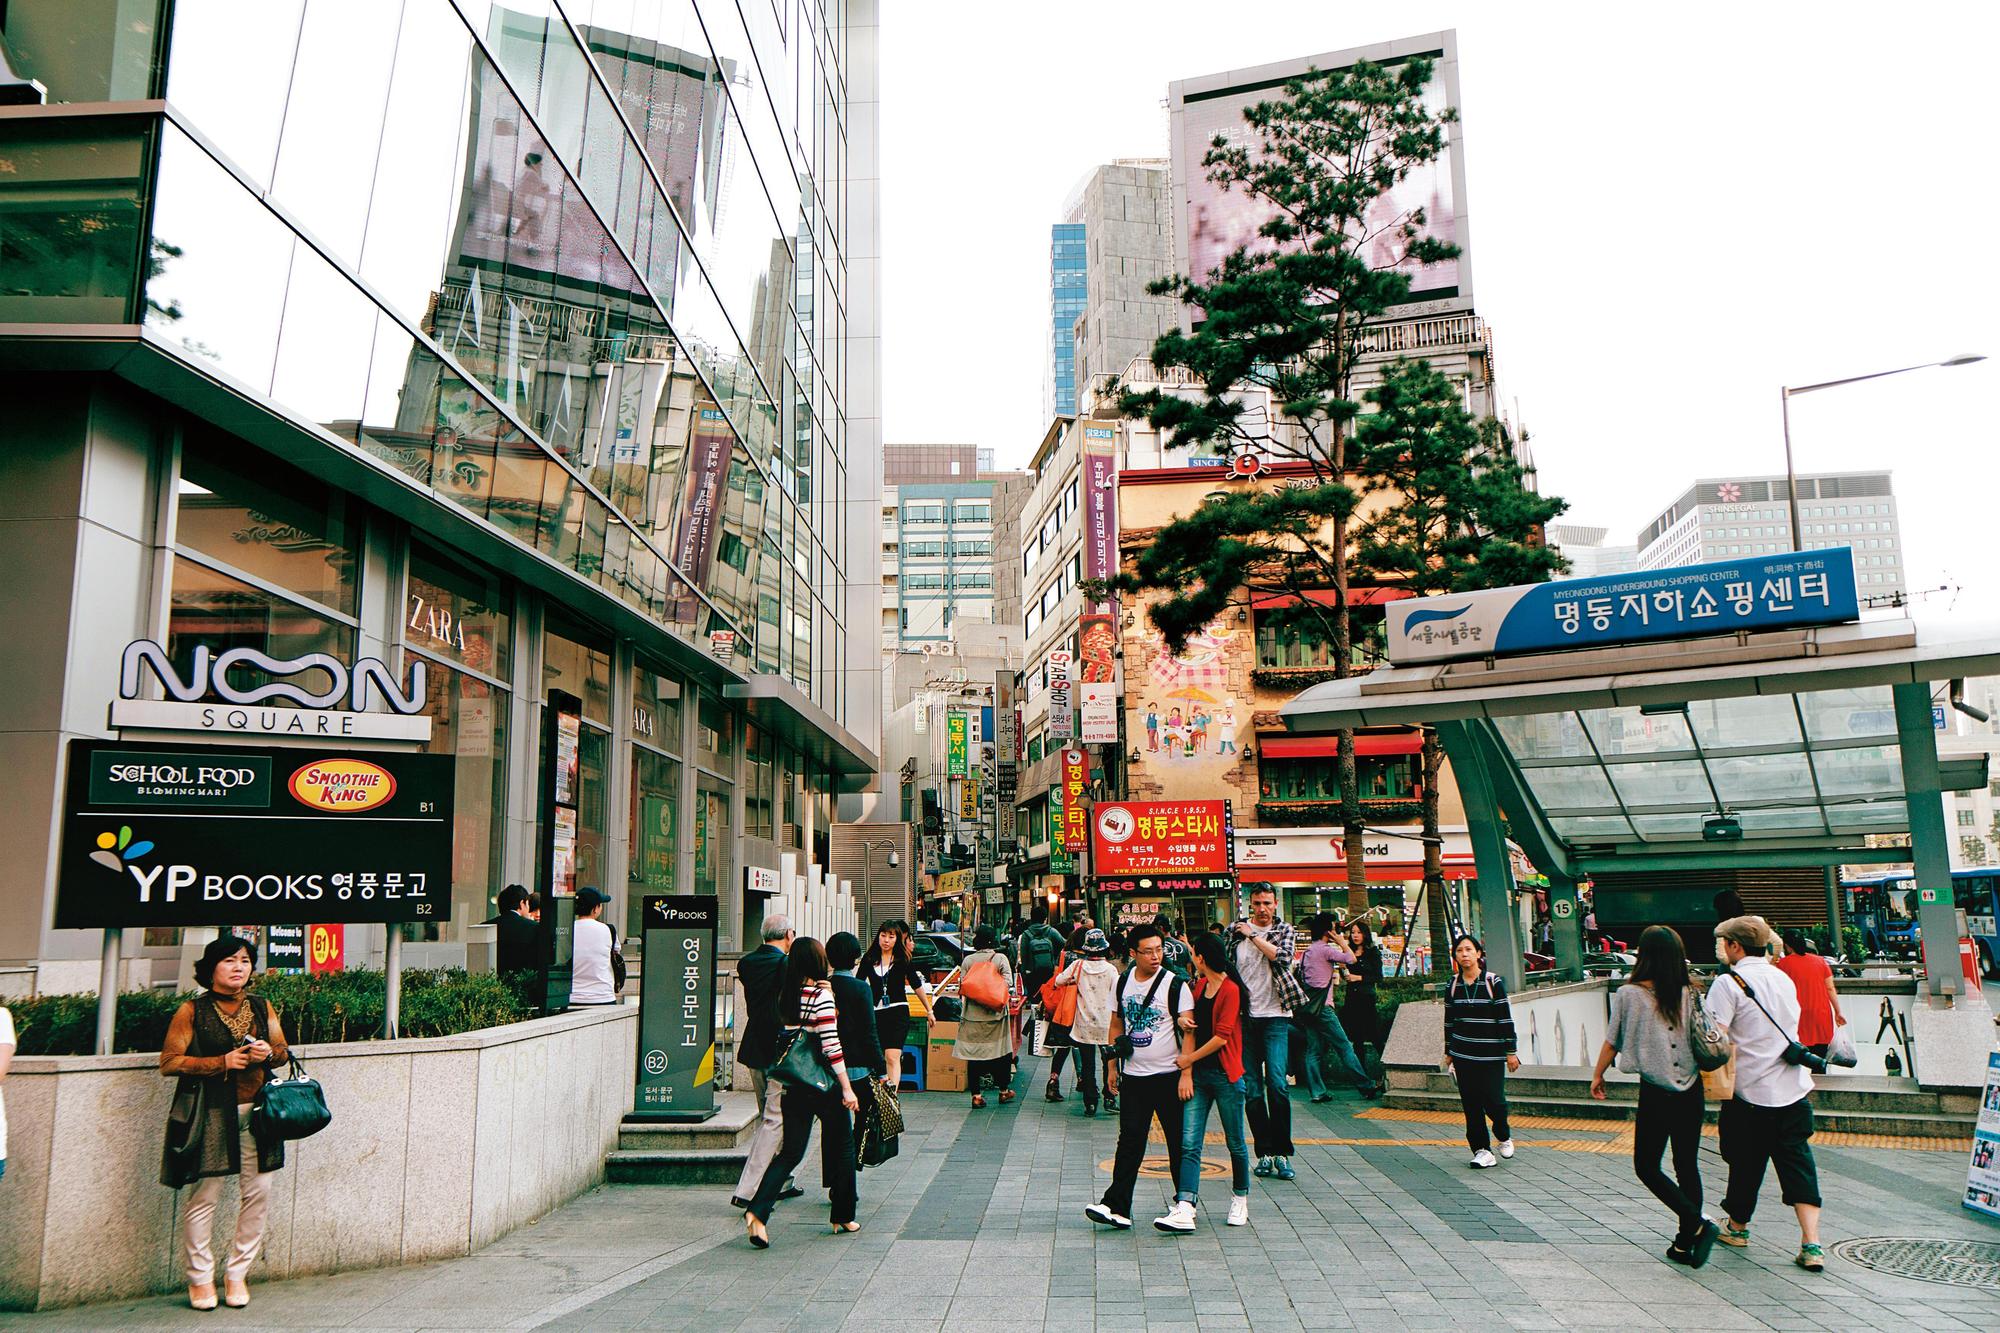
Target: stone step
734 1121
1875 1120
1839 1092
679 1166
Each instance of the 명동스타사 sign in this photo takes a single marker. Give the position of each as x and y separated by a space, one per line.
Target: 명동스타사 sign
1764 592
166 835
1161 838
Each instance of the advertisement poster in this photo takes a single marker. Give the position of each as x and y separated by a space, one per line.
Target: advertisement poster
955 744
1097 713
160 835
677 1008
709 449
1098 641
1075 782
326 948
1184 716
1061 860
285 949
1161 838
1982 1178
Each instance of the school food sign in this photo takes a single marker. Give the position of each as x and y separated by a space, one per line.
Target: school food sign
1767 592
1185 838
166 835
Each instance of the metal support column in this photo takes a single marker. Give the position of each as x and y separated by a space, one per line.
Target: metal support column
392 983
1566 926
1498 928
1834 945
107 991
1930 850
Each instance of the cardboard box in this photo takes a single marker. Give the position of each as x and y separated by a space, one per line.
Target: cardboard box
943 1071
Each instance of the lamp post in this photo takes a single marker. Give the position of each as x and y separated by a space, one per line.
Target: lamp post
1785 396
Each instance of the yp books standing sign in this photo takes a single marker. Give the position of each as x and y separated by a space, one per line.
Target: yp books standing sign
1646 606
1982 1179
676 1078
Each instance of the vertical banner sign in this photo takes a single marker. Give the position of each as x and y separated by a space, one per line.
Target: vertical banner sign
955 743
676 1078
1061 862
1982 1178
1098 640
968 797
1060 728
1075 781
562 731
708 465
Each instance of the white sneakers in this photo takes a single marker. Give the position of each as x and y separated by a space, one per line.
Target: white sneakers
1506 1147
1180 1217
1483 1159
1104 1217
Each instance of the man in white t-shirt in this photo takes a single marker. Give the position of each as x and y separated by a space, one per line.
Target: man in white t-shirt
1152 1003
1769 1121
590 979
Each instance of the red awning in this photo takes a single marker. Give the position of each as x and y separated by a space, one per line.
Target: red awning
1326 597
1328 747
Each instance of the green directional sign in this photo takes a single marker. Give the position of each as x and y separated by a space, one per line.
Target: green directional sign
955 744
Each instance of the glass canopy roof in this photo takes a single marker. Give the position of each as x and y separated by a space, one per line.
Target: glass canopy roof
1819 763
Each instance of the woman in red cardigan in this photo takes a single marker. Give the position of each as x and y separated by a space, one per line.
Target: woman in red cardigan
1216 1068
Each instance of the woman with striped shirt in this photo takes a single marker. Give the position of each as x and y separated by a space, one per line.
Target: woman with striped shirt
808 1011
1479 1048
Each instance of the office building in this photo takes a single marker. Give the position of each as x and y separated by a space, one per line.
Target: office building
533 346
1721 517
1068 286
1589 554
1112 242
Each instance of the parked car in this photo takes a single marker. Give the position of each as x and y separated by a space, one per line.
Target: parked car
936 952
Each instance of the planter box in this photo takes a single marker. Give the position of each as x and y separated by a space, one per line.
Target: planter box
439 1145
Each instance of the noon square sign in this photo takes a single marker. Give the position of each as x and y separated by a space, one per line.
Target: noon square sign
1798 588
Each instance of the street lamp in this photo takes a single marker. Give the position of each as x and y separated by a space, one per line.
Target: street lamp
1785 396
868 849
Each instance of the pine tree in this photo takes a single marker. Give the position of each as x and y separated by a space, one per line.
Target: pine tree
1287 315
1451 511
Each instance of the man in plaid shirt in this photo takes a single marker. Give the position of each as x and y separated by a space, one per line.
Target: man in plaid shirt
1264 952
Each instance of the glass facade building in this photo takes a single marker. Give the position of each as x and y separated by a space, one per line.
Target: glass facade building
533 340
1068 293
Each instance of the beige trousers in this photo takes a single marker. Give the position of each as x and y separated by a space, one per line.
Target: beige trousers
198 1222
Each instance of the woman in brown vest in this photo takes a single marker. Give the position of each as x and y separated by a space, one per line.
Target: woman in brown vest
221 1045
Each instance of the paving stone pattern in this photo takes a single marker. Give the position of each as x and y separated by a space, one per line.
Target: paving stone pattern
978 1224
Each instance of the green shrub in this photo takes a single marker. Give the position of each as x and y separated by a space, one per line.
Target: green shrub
328 1007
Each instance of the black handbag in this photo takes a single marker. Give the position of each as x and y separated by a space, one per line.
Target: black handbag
801 1065
293 1107
180 1159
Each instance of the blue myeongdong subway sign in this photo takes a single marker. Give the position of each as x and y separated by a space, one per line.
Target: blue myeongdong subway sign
1681 602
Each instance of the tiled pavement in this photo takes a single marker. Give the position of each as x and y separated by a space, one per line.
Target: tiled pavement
978 1225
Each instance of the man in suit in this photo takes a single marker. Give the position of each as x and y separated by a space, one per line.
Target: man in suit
519 938
761 974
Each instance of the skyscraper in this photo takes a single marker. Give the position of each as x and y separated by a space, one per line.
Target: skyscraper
535 345
1067 288
1721 517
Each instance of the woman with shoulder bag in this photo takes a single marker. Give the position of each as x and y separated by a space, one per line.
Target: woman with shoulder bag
1652 1021
810 1014
985 1031
221 1045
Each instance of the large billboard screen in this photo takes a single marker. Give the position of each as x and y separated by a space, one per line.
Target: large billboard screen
1213 223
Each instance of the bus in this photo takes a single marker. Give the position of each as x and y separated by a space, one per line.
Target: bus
1884 907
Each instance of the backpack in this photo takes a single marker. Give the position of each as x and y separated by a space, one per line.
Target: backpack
1039 949
1179 959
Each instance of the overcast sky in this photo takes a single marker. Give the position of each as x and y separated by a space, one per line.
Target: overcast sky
1673 211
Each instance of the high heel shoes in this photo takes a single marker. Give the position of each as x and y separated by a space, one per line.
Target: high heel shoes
760 1236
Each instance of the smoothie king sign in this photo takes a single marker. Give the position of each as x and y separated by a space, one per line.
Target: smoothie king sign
163 835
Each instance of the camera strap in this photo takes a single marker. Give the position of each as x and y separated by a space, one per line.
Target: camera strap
1751 996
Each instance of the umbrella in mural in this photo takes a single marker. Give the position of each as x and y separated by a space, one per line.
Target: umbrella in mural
1193 694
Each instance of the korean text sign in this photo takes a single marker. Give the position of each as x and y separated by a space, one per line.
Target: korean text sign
1075 781
955 744
189 835
1161 837
677 1007
1759 593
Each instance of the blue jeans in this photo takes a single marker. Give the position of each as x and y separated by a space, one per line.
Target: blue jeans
1326 1037
1268 1097
1213 1088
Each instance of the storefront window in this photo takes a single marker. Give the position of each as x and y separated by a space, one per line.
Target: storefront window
469 722
715 737
211 610
593 809
1382 778
714 862
759 794
656 784
457 612
569 663
656 709
279 527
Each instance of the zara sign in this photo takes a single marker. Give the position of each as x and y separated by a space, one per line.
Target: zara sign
238 710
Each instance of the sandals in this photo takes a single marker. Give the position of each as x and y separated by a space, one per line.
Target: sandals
846 1228
760 1236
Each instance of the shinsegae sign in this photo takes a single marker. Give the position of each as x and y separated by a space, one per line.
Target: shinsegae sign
1797 588
162 835
239 710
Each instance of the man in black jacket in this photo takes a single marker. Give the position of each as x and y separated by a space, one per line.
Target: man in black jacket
518 941
761 973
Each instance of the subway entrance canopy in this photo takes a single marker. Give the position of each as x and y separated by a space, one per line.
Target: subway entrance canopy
1739 715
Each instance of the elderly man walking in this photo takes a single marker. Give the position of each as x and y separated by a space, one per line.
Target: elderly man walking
761 973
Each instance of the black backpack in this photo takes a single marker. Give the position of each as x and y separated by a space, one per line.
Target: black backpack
1040 948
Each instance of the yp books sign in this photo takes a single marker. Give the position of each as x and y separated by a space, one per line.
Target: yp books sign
1768 592
163 835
